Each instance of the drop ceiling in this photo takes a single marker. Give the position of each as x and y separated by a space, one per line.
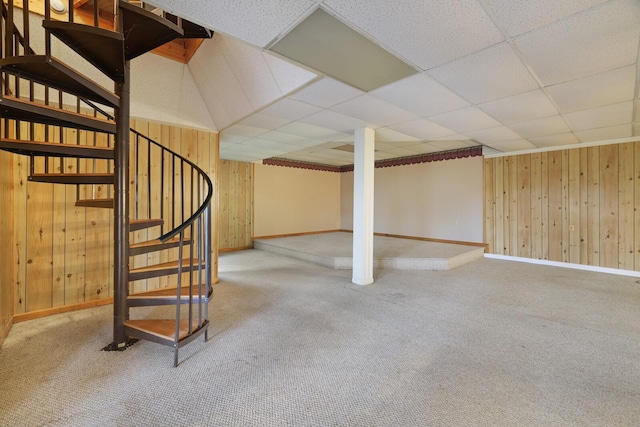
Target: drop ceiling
509 75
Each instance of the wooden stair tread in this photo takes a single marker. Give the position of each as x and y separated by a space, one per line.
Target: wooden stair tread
167 296
73 178
39 148
145 30
163 269
102 48
49 71
170 291
140 224
163 328
19 109
156 245
95 203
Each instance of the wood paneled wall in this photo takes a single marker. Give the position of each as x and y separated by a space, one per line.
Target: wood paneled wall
63 254
578 205
235 205
6 248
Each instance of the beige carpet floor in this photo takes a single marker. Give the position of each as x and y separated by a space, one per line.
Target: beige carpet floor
491 343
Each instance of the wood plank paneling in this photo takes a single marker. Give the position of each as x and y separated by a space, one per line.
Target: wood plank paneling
489 204
609 206
236 204
536 206
544 190
578 205
62 255
555 206
523 206
626 206
593 213
582 226
7 247
499 206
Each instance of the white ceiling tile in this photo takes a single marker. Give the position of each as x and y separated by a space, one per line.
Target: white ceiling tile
427 33
288 138
610 115
423 129
541 127
246 131
600 39
520 16
554 140
424 148
384 155
465 120
310 131
390 135
497 134
326 93
492 73
291 109
374 110
384 146
288 76
251 70
252 146
603 134
256 22
451 145
521 108
400 152
336 121
226 145
421 95
227 138
594 91
264 121
517 145
221 88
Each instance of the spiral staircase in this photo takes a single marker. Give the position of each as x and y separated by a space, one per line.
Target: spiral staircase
59 117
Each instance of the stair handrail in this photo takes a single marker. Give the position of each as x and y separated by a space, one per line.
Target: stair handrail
207 200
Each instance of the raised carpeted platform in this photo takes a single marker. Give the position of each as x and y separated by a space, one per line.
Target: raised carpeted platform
334 250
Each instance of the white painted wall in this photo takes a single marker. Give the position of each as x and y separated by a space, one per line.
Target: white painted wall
441 200
289 200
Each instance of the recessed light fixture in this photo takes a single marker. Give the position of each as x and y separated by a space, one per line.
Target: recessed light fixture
58 6
329 46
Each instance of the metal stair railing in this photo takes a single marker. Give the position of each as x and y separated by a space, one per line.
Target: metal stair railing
194 219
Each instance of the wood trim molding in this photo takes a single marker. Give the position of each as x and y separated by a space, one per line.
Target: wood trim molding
240 248
58 310
397 236
5 330
400 161
306 233
429 239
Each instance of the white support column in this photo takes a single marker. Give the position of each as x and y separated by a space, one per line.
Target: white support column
363 167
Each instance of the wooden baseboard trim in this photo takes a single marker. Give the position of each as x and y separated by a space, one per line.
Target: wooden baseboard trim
5 330
58 310
241 248
429 239
306 233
